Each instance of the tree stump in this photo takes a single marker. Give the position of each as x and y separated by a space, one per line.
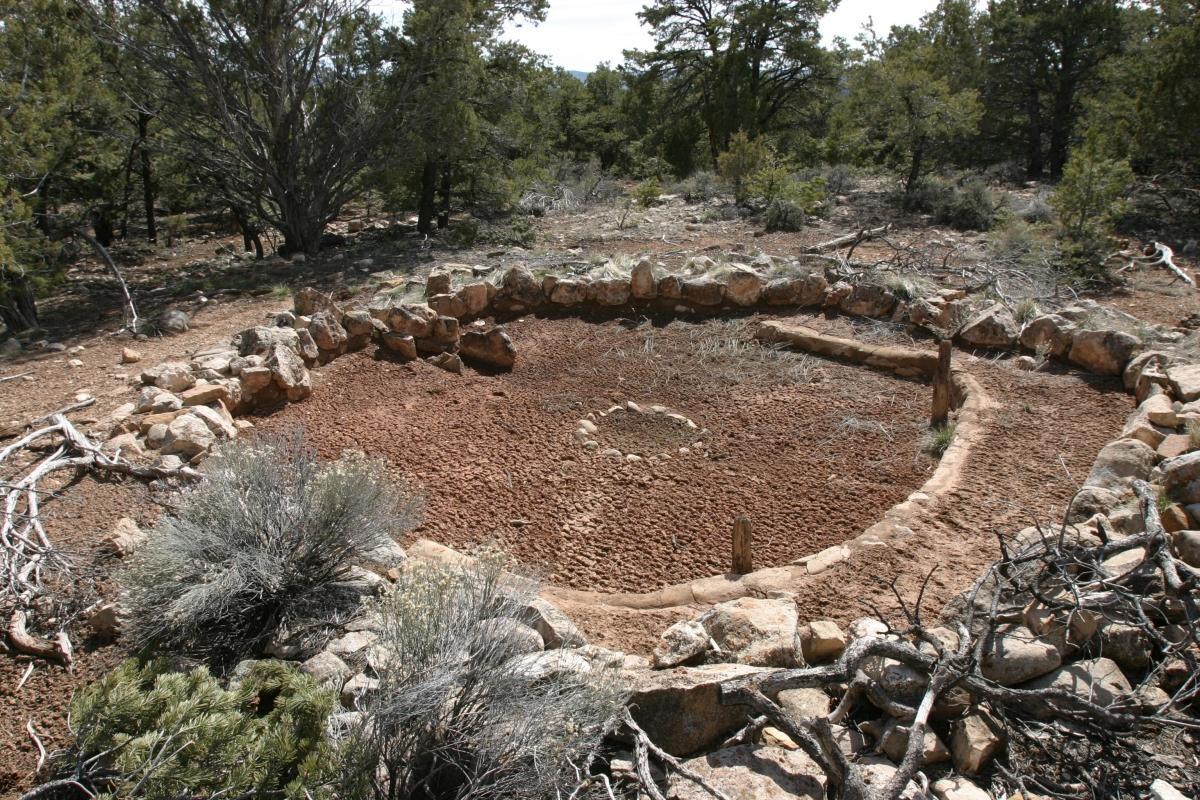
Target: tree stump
743 546
941 386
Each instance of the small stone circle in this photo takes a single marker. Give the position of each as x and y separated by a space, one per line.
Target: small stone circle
589 432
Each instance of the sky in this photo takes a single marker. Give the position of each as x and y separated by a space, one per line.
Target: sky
579 34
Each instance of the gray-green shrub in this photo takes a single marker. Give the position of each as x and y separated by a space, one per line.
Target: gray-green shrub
454 715
265 541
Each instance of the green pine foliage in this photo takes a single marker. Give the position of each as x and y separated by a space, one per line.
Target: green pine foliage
147 732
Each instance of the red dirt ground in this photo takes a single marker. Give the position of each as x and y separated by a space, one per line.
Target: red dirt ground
811 462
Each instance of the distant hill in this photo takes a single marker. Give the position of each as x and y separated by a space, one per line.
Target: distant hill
583 76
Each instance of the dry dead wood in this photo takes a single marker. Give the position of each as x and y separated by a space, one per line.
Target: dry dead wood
1060 575
27 556
1158 255
849 239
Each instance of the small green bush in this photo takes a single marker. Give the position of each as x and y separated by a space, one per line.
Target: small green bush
785 216
743 159
460 712
146 732
969 207
1091 195
937 440
646 193
700 187
265 541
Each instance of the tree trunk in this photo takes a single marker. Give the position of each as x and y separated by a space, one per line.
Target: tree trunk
1060 125
914 169
103 225
1035 166
148 193
428 200
443 219
250 237
18 306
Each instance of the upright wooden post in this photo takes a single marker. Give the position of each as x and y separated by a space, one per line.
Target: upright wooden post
743 546
941 386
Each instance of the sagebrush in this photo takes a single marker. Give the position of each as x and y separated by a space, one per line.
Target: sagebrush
264 542
465 708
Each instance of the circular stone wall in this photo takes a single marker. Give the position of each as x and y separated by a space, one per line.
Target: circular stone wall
813 451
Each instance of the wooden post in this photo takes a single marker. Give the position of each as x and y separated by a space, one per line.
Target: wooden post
743 546
941 386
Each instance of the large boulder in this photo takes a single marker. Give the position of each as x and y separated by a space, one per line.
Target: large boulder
1103 352
868 300
609 291
1121 461
805 290
993 327
170 376
569 292
701 291
448 305
685 641
187 436
413 319
260 339
1185 381
974 741
519 290
1048 333
1098 680
555 627
642 283
402 344
359 327
328 334
1181 470
681 710
750 772
755 631
289 373
476 297
743 286
1014 654
438 282
172 322
309 301
821 640
492 347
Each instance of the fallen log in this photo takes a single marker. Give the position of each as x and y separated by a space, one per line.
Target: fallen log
848 239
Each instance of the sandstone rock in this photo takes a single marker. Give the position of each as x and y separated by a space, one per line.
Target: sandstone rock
684 641
173 376
172 322
958 788
1139 427
1185 381
803 703
447 361
328 334
1161 790
448 305
327 670
254 380
805 290
877 772
519 290
205 393
1100 680
438 282
1147 360
569 292
894 742
153 400
414 319
106 621
1124 644
187 436
555 627
476 297
156 436
400 343
642 283
387 554
821 640
1181 470
743 287
609 291
1121 461
357 687
701 291
130 356
755 631
1176 444
289 373
220 424
541 665
868 300
974 741
124 538
1187 546
1160 411
680 708
492 347
993 327
359 328
1049 333
748 772
259 340
1103 352
670 287
1015 655
308 301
